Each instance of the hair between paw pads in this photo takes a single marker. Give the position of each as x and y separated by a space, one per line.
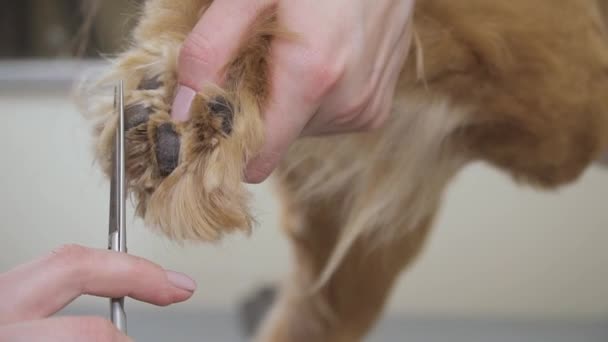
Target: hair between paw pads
221 108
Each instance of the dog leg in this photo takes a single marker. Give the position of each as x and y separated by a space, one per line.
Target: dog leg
348 305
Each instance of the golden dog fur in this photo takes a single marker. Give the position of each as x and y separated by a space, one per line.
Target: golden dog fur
519 84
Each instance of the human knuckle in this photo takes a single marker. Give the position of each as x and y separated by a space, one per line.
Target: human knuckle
69 252
73 261
324 73
197 48
137 265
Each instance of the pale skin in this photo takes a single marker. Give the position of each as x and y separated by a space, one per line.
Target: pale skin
338 76
32 292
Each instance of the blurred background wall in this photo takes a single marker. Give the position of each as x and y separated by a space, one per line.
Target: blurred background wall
498 250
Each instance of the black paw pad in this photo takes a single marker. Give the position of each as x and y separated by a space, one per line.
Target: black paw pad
167 149
135 115
150 83
221 108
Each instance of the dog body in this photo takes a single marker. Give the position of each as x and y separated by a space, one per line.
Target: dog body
515 83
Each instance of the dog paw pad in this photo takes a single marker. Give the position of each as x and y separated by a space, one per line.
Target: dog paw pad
150 83
136 114
167 148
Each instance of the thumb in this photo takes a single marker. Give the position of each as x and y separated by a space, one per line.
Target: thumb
209 46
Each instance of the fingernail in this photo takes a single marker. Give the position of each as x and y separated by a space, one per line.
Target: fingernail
181 281
182 102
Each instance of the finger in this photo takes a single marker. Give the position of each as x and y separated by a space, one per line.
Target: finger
45 286
210 45
372 114
285 116
63 329
381 107
378 111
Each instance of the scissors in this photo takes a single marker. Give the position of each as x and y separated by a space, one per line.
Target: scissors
117 230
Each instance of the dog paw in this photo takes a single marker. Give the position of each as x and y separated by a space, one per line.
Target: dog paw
185 177
154 140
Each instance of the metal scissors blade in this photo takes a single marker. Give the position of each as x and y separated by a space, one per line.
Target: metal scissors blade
117 228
